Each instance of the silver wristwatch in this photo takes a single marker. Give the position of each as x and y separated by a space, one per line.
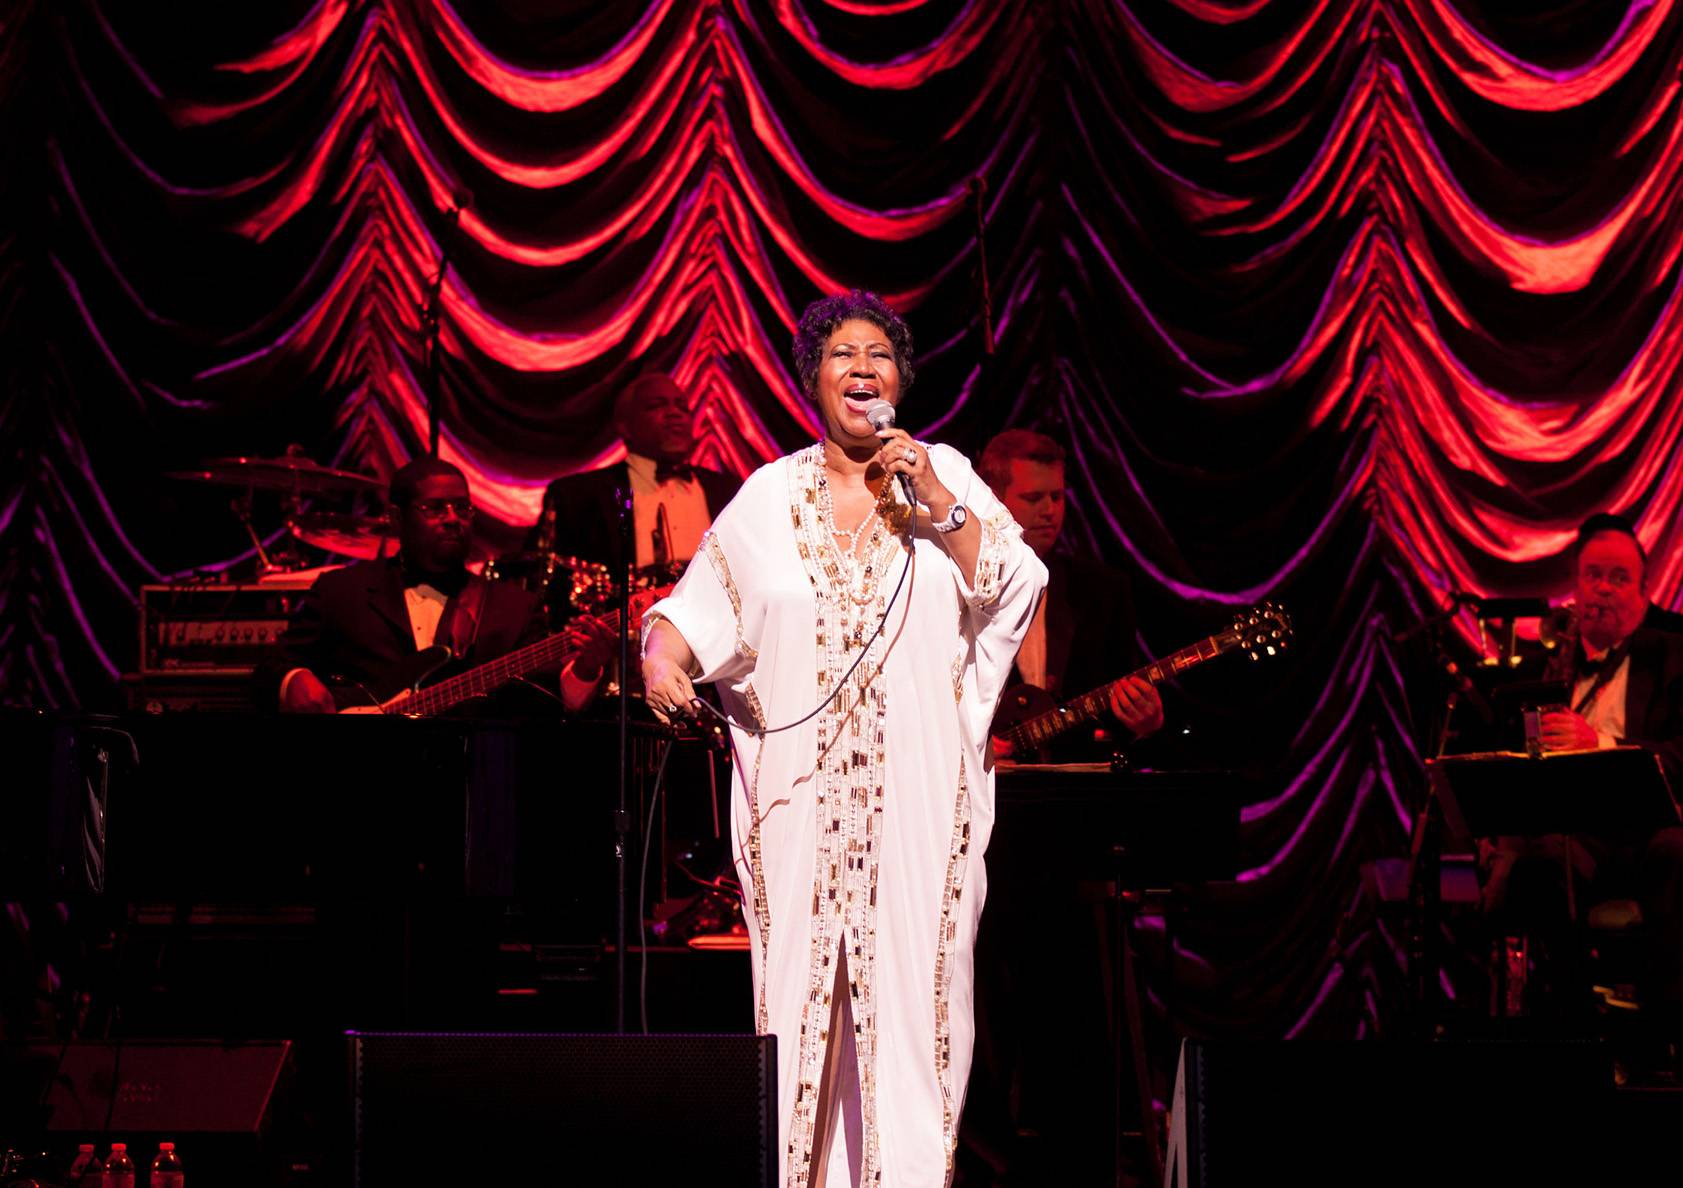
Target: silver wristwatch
956 519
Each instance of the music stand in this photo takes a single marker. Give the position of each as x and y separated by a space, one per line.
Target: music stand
1567 792
1510 792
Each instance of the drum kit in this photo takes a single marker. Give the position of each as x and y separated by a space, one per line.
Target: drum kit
568 585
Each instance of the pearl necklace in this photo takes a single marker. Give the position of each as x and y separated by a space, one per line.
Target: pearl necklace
852 537
858 585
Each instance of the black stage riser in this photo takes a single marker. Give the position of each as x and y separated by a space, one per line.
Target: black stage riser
621 1109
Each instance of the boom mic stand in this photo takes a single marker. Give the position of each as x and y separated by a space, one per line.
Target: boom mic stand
430 324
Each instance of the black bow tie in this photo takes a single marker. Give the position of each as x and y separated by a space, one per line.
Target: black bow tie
1609 662
673 470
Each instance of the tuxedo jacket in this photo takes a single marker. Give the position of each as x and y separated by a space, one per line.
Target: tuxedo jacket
352 630
1654 698
587 518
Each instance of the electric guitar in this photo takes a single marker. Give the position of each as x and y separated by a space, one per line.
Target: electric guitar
554 651
1028 718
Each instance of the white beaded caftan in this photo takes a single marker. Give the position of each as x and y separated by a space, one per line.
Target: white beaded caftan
858 836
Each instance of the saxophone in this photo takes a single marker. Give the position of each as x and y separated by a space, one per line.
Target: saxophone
1559 633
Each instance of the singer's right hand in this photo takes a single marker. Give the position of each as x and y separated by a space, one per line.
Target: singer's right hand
901 454
667 688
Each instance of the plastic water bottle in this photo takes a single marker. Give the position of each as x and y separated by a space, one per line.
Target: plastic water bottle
86 1170
119 1169
166 1168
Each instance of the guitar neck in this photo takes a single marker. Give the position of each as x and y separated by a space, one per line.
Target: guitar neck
550 652
1042 729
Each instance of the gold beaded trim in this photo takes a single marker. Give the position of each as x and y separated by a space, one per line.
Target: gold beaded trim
849 804
762 904
998 533
721 569
957 865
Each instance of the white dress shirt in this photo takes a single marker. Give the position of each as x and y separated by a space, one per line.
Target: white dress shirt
426 607
685 507
1606 714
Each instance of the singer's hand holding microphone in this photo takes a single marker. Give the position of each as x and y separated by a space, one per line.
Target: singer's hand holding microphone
902 456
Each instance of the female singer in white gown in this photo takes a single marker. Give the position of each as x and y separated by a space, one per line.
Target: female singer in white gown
859 833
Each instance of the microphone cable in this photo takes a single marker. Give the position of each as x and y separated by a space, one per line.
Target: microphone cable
643 887
841 685
762 731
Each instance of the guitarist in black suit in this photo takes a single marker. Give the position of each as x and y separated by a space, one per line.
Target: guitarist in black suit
1082 635
1081 639
360 629
673 501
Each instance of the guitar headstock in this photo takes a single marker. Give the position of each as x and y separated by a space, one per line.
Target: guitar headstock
1264 630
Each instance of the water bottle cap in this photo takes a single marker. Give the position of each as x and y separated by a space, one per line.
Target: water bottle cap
166 1146
84 1147
119 1146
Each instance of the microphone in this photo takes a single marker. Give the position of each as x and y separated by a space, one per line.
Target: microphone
881 416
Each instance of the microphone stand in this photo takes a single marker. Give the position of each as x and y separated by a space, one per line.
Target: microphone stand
622 815
430 327
978 187
1425 843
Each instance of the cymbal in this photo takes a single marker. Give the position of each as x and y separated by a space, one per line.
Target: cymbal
290 472
364 537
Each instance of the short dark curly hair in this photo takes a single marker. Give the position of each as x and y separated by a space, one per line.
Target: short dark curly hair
824 315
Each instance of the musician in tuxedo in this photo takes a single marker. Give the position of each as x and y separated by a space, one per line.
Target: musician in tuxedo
673 501
1082 634
673 504
355 636
1625 687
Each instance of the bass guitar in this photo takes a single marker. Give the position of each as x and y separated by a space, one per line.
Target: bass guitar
556 651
